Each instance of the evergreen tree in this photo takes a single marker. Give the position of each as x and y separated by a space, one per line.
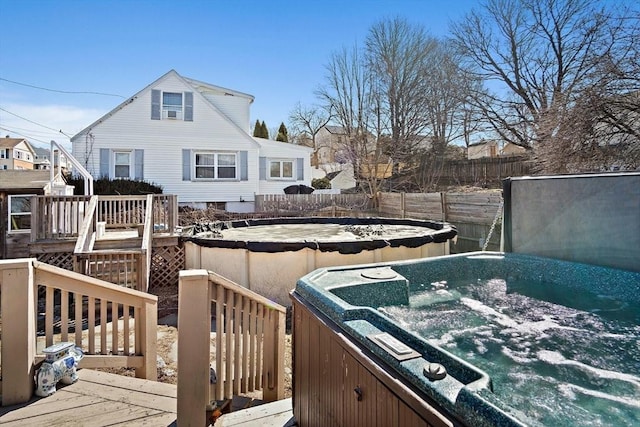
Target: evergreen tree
283 135
264 132
257 129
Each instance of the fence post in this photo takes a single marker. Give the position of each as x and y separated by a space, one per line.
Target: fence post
18 335
194 320
443 202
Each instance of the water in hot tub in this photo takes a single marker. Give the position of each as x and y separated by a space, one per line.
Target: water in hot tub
550 363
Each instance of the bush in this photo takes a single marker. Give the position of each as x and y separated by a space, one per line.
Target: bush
108 187
321 183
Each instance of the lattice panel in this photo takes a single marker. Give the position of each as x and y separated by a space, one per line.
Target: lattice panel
166 263
57 259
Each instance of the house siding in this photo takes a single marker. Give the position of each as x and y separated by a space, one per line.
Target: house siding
236 108
223 126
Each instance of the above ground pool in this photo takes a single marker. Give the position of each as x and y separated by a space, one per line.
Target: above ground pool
481 339
269 255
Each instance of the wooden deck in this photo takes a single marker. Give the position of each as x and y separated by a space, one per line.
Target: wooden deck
99 399
274 414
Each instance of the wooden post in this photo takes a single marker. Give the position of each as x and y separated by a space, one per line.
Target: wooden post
148 341
194 323
273 383
19 331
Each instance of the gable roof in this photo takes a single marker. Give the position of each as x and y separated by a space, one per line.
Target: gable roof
12 142
279 144
336 129
188 82
24 179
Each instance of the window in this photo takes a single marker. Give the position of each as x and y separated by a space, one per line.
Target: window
215 165
172 105
20 213
122 164
4 153
281 169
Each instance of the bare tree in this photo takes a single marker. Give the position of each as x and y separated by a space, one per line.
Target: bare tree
540 58
350 92
397 55
310 120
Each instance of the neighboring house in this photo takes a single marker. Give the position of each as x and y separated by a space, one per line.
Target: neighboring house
510 149
16 153
194 140
330 142
482 149
43 159
16 189
342 180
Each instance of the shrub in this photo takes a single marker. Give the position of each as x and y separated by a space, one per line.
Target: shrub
321 183
108 187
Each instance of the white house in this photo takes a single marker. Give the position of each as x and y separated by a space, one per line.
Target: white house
193 139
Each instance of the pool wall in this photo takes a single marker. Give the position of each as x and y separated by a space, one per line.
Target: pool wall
335 318
592 218
272 268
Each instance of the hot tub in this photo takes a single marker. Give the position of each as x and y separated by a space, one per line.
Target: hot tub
268 256
480 339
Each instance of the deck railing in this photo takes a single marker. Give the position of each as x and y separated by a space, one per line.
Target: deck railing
57 217
115 326
249 344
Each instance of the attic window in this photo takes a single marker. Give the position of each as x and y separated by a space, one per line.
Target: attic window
172 105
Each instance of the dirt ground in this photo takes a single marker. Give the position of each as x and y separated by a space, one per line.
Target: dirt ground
167 349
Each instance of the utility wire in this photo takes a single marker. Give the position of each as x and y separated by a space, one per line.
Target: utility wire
63 91
31 121
30 138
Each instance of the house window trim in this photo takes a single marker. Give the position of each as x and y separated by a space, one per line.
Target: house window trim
10 215
215 165
281 161
165 108
114 164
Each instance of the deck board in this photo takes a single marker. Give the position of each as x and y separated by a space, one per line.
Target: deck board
276 414
99 399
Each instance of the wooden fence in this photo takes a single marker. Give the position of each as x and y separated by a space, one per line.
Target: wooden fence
488 171
318 204
472 213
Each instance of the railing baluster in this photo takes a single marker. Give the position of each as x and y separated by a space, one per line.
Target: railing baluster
64 315
245 344
91 314
126 329
114 328
253 322
220 300
79 303
48 316
103 326
228 329
238 354
260 331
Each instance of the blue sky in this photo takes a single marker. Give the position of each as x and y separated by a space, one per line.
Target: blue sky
273 50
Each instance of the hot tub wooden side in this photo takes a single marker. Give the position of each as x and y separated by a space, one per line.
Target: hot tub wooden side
336 384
